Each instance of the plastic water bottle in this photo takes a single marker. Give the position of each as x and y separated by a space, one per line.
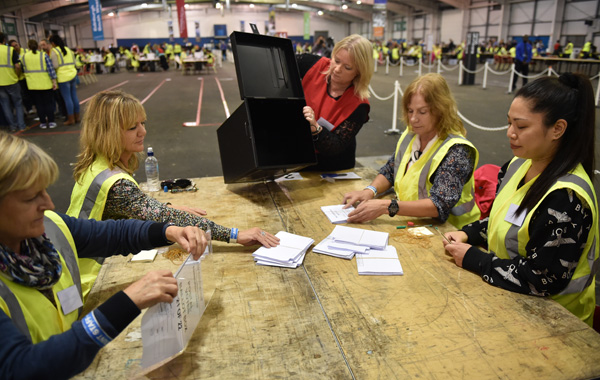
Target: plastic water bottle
152 171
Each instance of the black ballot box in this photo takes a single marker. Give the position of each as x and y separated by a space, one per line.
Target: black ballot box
267 136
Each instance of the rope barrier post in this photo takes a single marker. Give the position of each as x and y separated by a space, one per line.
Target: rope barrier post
387 65
598 92
512 78
485 71
460 72
401 64
394 130
375 59
420 66
550 70
439 69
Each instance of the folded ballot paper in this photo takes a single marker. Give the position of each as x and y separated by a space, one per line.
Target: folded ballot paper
358 236
379 262
337 213
288 254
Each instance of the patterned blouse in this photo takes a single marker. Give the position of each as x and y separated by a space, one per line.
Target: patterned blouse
541 272
448 179
126 200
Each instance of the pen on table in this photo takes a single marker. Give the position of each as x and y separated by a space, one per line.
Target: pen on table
444 236
411 224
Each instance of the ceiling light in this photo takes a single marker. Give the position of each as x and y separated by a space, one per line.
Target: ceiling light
111 14
144 5
344 6
320 13
251 5
359 2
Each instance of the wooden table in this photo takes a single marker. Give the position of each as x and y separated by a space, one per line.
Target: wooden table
322 320
586 66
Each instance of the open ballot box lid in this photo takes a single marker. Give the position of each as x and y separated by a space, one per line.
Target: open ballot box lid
267 136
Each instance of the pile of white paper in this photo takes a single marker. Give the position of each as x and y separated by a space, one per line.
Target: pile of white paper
373 255
288 254
337 213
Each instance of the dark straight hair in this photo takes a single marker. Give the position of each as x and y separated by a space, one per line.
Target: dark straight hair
33 46
569 97
56 40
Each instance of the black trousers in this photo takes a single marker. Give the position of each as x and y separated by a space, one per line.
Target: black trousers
523 69
44 103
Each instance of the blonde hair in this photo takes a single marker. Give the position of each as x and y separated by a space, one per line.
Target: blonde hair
361 51
434 89
23 165
106 117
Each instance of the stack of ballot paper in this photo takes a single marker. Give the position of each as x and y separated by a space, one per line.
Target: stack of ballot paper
337 213
379 263
288 254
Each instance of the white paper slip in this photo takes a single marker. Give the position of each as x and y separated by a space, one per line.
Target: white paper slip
358 236
337 213
323 248
293 264
347 247
388 253
145 256
289 253
279 254
379 267
334 176
295 176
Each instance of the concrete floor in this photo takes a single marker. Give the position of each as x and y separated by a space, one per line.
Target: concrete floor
193 151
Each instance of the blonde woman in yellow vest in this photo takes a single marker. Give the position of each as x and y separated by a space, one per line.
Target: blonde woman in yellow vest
44 333
112 136
41 81
63 61
542 233
432 168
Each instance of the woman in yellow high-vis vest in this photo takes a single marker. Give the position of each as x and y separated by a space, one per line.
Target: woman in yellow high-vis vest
42 335
41 81
542 232
63 61
432 168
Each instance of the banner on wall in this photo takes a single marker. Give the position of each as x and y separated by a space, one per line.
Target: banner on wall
242 25
197 30
96 18
170 29
306 26
271 23
181 18
379 17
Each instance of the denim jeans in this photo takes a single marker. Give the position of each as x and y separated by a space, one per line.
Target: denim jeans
8 94
69 94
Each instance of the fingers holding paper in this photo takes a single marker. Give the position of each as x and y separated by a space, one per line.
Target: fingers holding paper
368 210
358 196
154 287
255 235
190 238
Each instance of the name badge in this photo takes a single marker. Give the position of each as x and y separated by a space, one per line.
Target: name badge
70 299
513 218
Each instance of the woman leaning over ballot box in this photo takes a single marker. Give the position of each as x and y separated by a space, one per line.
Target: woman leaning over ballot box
542 232
112 136
432 168
41 334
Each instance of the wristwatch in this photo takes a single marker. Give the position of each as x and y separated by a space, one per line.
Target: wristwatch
393 208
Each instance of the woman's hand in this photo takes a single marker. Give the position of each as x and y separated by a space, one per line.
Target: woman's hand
369 210
192 210
190 238
154 287
257 236
309 115
457 250
357 196
456 237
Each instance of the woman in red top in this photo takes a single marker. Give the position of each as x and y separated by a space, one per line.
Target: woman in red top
336 92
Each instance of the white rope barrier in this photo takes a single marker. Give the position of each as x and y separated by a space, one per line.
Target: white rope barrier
479 126
394 130
447 68
475 71
379 97
498 72
531 76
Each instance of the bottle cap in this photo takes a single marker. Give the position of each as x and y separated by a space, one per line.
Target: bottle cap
150 151
166 189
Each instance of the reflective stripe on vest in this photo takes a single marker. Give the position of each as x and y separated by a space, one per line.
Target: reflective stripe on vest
41 70
457 210
8 59
66 71
92 194
36 79
8 75
16 314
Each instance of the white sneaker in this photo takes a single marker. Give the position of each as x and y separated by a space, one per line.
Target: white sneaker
52 125
43 126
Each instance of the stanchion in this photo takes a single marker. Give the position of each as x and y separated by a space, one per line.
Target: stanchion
387 65
439 69
420 66
460 72
401 64
598 91
376 62
394 130
485 71
512 78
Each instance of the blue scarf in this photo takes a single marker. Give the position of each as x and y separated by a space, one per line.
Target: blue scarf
37 266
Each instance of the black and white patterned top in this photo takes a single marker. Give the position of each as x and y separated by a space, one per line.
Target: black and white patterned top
448 179
126 200
558 231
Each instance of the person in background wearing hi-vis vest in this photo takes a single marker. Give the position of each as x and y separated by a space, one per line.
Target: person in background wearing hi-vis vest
25 96
41 80
10 91
542 232
568 50
586 50
45 334
63 61
432 168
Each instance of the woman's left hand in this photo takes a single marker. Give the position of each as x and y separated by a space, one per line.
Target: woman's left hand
458 251
192 210
257 236
191 238
369 210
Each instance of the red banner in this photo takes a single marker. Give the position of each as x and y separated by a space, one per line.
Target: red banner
181 18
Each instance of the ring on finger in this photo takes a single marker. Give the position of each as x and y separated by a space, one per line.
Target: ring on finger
262 233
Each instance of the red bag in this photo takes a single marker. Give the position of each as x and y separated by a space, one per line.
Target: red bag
486 182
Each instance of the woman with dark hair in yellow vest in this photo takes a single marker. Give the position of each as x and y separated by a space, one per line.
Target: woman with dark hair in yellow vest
542 230
44 334
41 81
63 61
432 168
113 132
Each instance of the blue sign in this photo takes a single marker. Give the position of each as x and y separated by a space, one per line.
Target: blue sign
96 17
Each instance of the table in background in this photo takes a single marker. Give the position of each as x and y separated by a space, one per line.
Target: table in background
580 65
151 62
194 65
323 320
